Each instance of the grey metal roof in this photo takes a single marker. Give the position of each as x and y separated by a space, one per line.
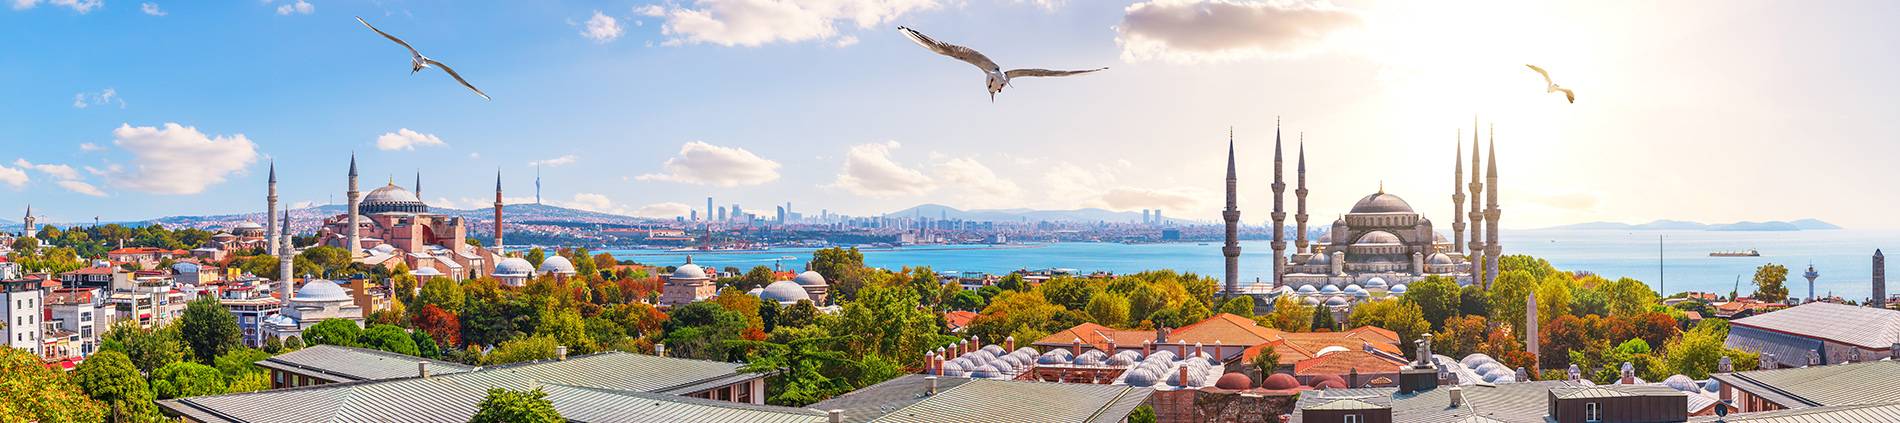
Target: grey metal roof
601 387
1615 391
1510 402
348 364
1837 413
1841 384
970 400
1863 326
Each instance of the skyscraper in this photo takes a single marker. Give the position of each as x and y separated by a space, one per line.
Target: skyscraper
1231 249
709 208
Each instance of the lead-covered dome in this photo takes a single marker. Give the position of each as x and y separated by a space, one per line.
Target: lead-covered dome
392 199
810 278
514 267
1380 202
784 292
1439 258
321 290
689 271
1378 238
557 264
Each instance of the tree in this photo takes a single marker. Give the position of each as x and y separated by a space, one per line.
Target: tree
1265 361
340 332
1564 333
807 367
425 345
1013 282
1070 293
1436 297
109 377
209 329
700 329
186 379
799 314
29 391
1323 320
757 277
331 260
535 256
441 292
966 300
1506 297
239 362
1291 315
1109 309
842 268
1771 283
389 338
404 284
568 328
1553 297
538 347
1401 317
439 324
1143 414
890 322
147 349
1472 301
1461 336
1239 306
293 343
512 406
1628 297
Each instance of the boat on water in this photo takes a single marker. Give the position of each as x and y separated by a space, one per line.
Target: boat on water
1743 253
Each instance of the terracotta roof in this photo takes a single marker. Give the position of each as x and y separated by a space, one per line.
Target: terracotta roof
1227 328
959 318
1344 362
1097 336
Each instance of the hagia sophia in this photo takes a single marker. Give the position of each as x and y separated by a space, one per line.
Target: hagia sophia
1376 248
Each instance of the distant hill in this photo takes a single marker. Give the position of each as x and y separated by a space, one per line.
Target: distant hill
537 213
935 211
1798 225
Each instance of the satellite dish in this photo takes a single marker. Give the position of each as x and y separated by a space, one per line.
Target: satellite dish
1721 409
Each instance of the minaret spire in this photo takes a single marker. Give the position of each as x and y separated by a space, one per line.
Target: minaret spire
1477 213
1279 208
499 252
418 184
354 244
270 210
1492 248
1458 193
1299 193
284 272
1231 249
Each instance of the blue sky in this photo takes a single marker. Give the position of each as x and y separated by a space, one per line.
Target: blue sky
1714 111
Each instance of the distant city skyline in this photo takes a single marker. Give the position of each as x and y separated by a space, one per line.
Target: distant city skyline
650 114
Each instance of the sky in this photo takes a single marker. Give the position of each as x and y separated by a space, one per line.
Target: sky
1714 111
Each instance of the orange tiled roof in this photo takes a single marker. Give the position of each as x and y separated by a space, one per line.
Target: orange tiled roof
1344 362
959 318
1226 328
1097 336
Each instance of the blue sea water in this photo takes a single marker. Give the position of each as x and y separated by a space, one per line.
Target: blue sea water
1843 257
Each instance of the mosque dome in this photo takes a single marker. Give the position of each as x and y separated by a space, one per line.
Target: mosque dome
1329 382
1438 237
1681 383
784 292
1378 238
392 199
1336 301
1376 283
1329 289
1439 258
1140 378
1380 202
1312 301
247 225
424 274
320 290
383 249
1320 258
557 264
1307 290
514 267
1280 381
1398 289
689 271
1235 381
810 278
1353 287
183 268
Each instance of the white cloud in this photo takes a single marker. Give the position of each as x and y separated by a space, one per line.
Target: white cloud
406 139
1189 31
1126 198
753 23
555 162
707 164
474 155
592 202
13 177
300 7
178 159
1048 5
151 9
971 175
869 171
81 6
90 147
846 41
302 205
55 170
651 10
601 28
666 210
82 187
104 97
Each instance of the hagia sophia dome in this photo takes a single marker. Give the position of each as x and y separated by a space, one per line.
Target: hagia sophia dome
392 199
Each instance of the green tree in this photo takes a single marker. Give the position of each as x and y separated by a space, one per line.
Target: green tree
1553 297
340 332
1771 283
568 328
186 379
389 338
807 368
441 292
757 277
1628 297
209 329
31 392
109 377
512 406
1291 315
1402 317
1143 414
966 300
801 313
538 347
889 322
425 345
404 285
1437 297
1239 306
147 349
1070 293
535 256
1472 301
331 260
1109 309
1265 361
1506 297
1323 319
238 362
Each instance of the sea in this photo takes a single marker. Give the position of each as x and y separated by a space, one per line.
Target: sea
1677 260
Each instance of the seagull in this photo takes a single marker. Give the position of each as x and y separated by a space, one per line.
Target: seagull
995 77
1570 95
417 61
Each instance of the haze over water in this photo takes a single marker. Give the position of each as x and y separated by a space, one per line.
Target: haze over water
1843 257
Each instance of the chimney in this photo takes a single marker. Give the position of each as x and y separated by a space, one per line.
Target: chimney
1111 345
930 363
1184 377
422 369
1217 349
1523 376
1767 361
1148 347
659 350
1894 352
1724 366
1457 396
1629 374
560 353
835 416
1575 373
1853 354
1198 350
931 382
1009 343
1078 346
1814 358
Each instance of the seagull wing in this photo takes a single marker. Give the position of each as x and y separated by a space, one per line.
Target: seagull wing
1013 73
412 50
954 51
1569 95
458 77
1540 71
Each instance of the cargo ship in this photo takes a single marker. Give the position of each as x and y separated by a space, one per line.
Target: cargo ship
1743 253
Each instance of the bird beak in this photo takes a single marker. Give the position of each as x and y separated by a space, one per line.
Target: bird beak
992 97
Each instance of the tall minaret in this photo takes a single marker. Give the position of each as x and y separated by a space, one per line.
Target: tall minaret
284 272
1279 208
1232 215
418 184
270 211
1492 249
1880 280
355 242
1458 193
1299 217
1477 215
498 244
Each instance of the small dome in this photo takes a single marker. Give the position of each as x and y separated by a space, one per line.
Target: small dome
1438 237
514 267
1354 288
689 271
952 368
183 268
754 291
1329 289
1336 301
1682 383
1052 359
426 272
557 264
1476 359
1398 289
1712 386
986 372
1320 259
1234 381
1328 382
320 290
1488 367
1378 238
1326 238
784 292
1380 202
810 278
1439 258
1280 381
385 249
1376 283
1140 378
1312 301
1307 290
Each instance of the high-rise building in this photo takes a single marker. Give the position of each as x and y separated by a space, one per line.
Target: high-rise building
1145 218
709 208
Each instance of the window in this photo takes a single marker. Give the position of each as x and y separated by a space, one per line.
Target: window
1352 418
1593 412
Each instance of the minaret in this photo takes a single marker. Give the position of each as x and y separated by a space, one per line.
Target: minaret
1492 249
355 243
284 255
1458 193
498 244
1811 275
1477 215
270 211
1279 209
537 184
1880 280
1232 215
418 184
29 231
1299 217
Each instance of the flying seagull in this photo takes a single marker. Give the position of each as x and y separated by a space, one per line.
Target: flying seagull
995 77
1570 95
417 61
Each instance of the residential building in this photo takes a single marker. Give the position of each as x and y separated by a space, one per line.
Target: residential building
20 303
252 304
78 311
